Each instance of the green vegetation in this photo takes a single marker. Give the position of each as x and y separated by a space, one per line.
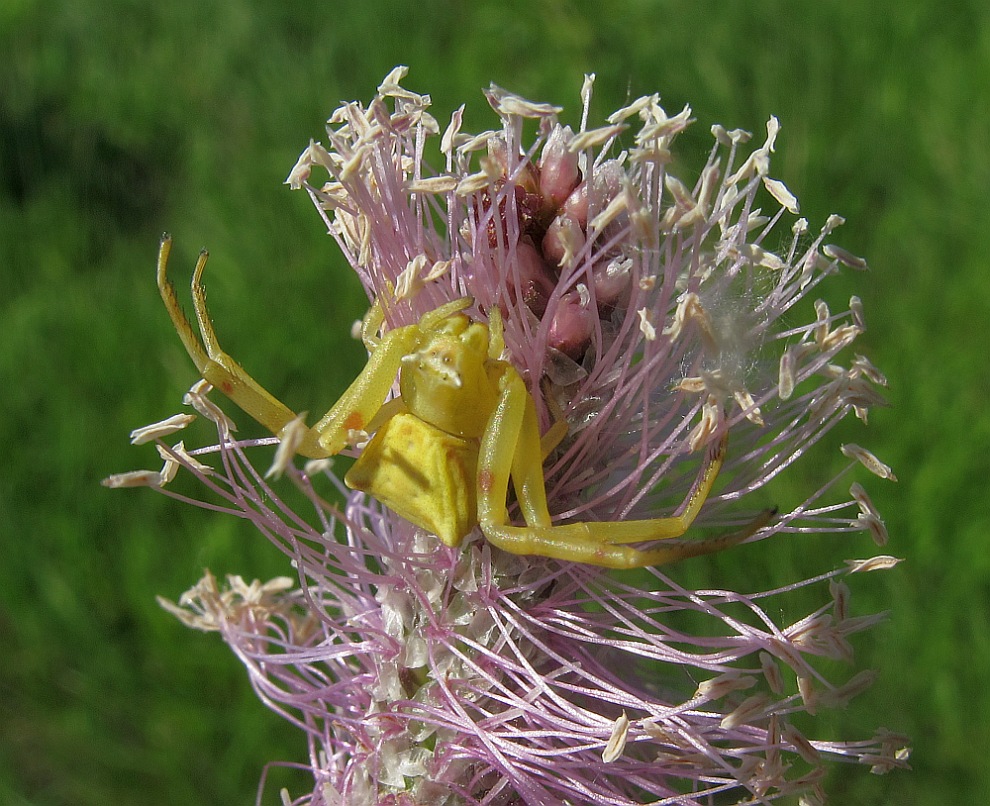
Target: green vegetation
122 119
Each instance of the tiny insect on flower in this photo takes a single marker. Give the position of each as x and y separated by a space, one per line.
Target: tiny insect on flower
443 452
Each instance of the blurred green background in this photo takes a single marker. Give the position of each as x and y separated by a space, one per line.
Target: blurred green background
121 119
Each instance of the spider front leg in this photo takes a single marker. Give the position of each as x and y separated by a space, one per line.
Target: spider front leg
215 365
509 450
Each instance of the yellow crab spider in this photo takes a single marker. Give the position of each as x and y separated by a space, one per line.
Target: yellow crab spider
442 453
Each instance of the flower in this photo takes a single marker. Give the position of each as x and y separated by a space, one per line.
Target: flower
654 319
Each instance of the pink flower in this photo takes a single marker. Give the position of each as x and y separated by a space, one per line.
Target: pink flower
653 318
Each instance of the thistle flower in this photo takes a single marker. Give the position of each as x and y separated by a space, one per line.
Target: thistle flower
652 318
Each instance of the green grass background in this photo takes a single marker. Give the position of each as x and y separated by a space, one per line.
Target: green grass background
121 119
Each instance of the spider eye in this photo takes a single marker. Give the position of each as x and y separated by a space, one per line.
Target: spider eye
433 367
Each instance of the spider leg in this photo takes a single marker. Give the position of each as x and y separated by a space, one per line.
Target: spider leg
214 364
358 409
584 543
510 448
675 525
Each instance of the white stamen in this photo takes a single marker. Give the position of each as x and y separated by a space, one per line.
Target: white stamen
845 258
169 468
612 211
868 460
863 366
162 428
771 671
509 104
634 108
841 337
587 88
821 328
433 184
133 478
876 527
197 398
801 745
711 417
472 183
749 709
784 197
617 741
840 599
645 325
861 497
299 175
594 138
748 405
664 127
809 694
357 438
718 687
392 80
289 440
437 270
882 562
785 378
316 467
179 449
451 135
409 283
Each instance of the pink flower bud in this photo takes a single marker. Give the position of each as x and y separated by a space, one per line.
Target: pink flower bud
572 325
611 281
532 279
559 172
563 240
576 205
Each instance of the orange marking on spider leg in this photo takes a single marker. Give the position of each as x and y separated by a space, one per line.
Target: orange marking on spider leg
485 480
227 388
354 421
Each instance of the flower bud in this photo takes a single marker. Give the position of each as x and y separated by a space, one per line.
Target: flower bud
576 205
611 281
559 173
572 325
563 240
535 281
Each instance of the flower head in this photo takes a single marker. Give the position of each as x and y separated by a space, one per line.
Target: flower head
653 318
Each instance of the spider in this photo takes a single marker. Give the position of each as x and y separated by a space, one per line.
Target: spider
443 452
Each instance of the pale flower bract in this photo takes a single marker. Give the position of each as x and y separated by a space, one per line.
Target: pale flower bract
654 317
